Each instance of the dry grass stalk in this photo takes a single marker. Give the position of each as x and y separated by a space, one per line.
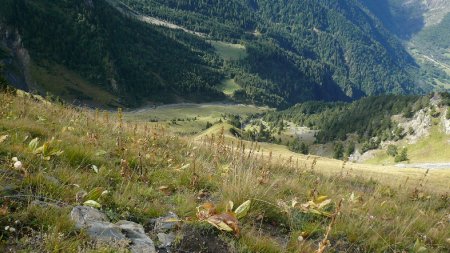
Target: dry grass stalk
325 242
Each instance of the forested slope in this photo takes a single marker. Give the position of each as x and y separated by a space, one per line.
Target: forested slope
296 50
125 56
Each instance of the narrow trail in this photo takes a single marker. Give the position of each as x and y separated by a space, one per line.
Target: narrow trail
445 66
431 166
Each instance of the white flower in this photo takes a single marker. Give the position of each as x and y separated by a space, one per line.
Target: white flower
18 165
14 159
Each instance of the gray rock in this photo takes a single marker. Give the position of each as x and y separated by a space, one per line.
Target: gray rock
8 189
166 223
105 231
96 224
11 173
140 242
84 215
99 228
166 240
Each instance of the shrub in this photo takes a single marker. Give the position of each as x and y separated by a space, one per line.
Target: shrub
369 145
338 150
299 147
392 150
402 156
350 149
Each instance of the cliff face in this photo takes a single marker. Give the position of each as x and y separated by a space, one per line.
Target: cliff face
15 58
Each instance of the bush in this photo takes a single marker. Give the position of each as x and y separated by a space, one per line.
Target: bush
350 149
299 147
402 156
369 145
392 150
338 150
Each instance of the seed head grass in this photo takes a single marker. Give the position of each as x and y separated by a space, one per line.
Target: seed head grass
147 171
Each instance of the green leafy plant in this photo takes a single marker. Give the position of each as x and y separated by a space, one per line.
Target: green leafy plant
46 151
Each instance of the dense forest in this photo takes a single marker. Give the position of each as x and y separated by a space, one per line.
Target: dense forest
368 117
92 38
295 50
300 50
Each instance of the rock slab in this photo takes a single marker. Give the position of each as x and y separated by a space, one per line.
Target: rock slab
99 228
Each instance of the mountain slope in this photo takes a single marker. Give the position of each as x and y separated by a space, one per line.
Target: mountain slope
122 55
350 49
295 50
424 26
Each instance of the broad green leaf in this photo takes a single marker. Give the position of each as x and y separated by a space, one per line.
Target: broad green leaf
95 168
92 203
33 144
320 199
324 203
219 224
242 210
95 193
185 166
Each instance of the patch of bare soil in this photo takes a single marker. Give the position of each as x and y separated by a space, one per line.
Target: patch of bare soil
200 240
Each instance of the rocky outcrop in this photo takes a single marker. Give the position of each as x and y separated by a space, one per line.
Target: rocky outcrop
420 124
445 122
98 227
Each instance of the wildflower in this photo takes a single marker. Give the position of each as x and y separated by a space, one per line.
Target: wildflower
10 229
17 164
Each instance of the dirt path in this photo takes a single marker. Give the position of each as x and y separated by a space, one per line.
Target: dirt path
431 166
127 10
445 66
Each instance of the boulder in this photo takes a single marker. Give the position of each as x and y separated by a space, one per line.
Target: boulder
166 223
96 224
99 228
166 240
84 215
140 242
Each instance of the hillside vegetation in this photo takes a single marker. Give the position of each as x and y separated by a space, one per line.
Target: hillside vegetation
290 51
56 157
124 56
367 117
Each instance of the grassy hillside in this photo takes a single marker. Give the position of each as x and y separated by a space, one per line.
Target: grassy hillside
148 171
432 148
